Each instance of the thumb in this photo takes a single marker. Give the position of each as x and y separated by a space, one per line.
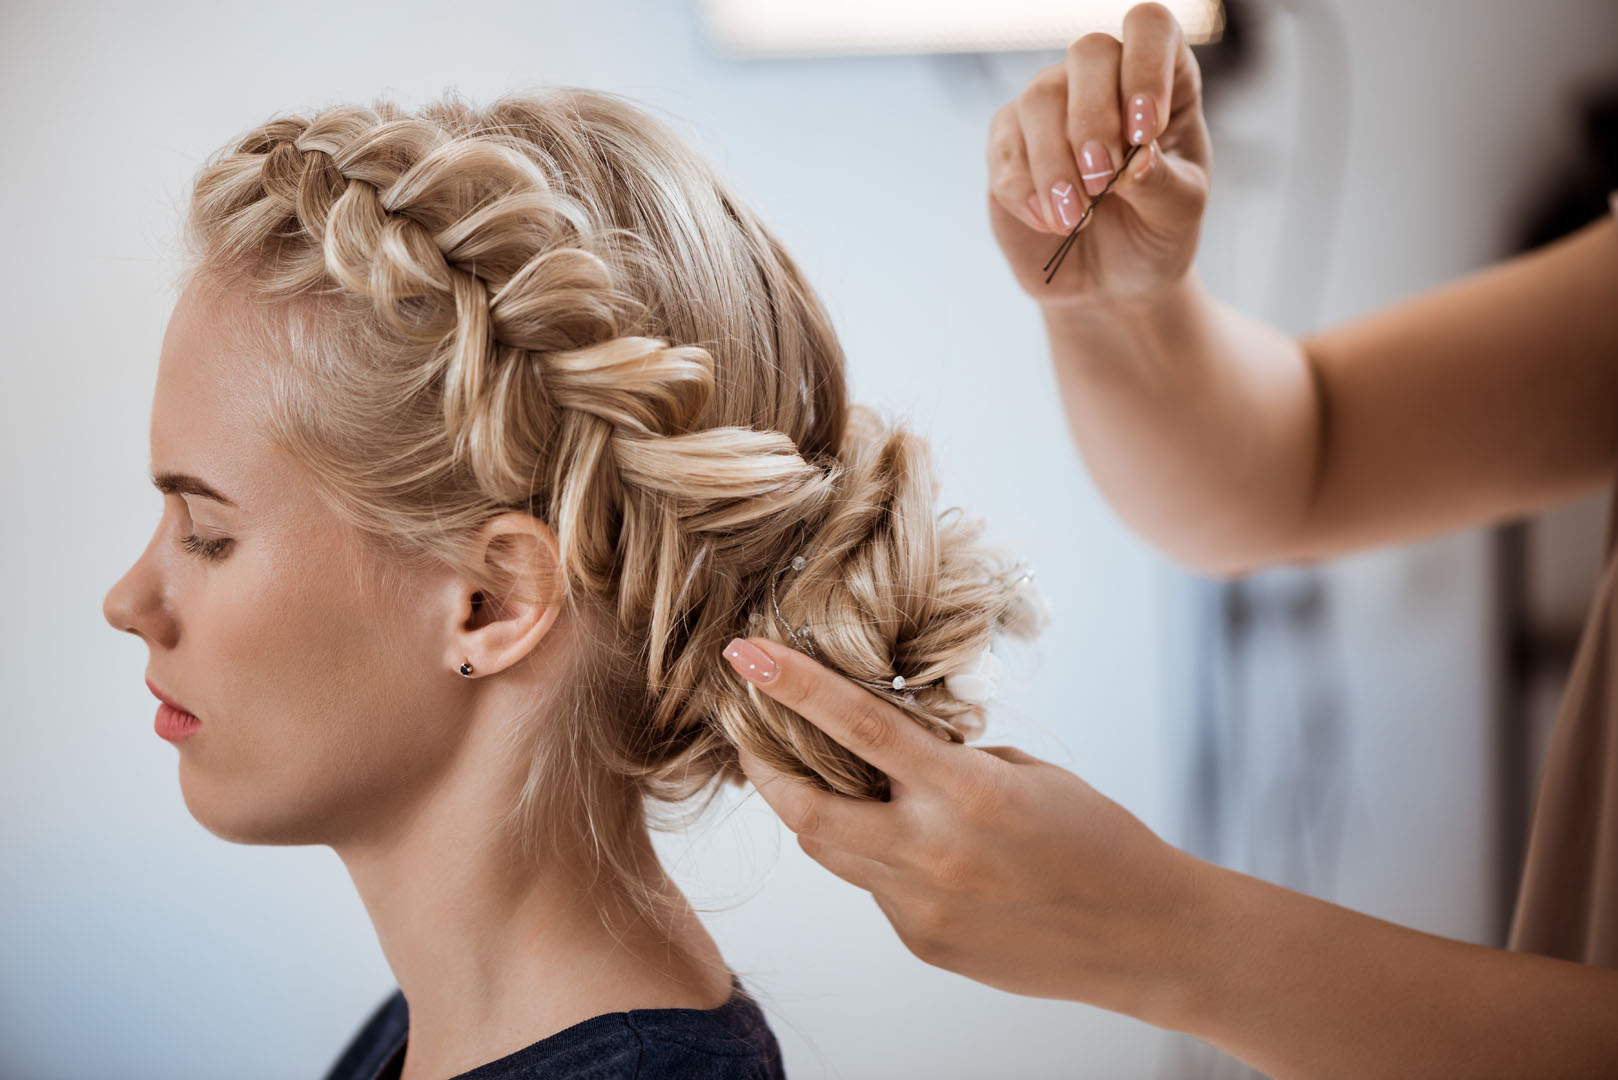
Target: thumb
1163 188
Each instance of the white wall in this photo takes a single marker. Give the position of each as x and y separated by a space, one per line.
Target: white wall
135 944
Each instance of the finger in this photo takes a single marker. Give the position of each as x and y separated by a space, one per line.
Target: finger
1010 183
855 718
1042 115
1152 43
1168 180
1169 190
1094 126
868 874
827 821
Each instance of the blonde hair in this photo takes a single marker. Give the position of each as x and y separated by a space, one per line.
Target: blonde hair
552 304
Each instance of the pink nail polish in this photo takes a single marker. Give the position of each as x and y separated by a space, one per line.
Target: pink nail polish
750 661
1142 119
1095 166
1143 160
1066 207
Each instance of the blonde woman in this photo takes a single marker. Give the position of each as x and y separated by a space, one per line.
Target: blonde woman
481 433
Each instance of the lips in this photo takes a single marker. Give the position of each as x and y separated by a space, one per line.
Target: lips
165 699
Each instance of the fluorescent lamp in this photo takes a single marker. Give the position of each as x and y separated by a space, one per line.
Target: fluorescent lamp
848 27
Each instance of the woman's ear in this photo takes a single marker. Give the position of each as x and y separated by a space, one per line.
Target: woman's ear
498 627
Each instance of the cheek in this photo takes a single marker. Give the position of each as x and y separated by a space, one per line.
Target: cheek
320 709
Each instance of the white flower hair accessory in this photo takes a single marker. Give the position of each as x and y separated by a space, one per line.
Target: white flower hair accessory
978 680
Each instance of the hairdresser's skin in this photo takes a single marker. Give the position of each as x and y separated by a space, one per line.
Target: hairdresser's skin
1231 446
334 715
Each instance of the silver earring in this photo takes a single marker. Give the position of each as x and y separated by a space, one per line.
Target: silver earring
466 667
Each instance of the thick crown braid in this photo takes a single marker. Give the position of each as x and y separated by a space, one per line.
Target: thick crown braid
552 305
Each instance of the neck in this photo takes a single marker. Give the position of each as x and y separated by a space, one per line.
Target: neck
494 952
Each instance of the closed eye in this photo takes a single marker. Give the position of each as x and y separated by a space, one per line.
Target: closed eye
211 549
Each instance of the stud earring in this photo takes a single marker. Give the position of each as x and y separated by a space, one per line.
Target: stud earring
466 667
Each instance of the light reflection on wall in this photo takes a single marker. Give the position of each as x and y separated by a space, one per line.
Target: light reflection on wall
778 28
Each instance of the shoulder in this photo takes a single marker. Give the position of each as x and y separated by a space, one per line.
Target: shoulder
732 1042
383 1032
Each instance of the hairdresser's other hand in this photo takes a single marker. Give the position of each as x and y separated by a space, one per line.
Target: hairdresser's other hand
987 861
1064 137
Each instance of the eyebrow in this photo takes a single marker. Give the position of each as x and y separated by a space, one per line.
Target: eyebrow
176 483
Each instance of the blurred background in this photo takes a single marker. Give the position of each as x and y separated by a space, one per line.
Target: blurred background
1367 731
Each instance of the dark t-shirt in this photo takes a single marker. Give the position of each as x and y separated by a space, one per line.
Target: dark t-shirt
732 1042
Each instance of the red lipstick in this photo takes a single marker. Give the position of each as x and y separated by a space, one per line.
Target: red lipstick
173 722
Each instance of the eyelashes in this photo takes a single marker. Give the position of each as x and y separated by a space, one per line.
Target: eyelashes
209 549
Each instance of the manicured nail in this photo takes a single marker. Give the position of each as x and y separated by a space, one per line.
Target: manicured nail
1096 166
1062 194
1142 119
750 661
1143 162
1038 212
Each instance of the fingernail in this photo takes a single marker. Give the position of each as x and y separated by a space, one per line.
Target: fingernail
1038 212
1096 166
1144 161
1062 195
750 661
1142 119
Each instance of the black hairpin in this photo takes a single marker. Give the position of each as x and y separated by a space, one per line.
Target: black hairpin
1067 242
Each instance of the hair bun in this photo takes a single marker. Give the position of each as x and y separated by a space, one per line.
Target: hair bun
888 587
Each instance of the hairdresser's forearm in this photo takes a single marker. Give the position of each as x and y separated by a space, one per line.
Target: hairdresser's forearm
1303 988
1197 422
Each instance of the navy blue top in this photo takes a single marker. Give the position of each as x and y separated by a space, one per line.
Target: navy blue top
731 1042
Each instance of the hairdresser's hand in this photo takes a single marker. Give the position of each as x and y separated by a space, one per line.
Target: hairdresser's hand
988 862
1063 139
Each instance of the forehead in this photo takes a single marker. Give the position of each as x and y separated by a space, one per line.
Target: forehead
207 403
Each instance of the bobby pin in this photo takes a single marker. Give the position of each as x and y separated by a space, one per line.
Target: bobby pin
1067 242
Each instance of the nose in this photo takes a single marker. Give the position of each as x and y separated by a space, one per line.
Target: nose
135 601
118 607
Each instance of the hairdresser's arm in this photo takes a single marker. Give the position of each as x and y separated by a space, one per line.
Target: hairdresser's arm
1229 443
1199 424
1014 872
1299 987
1232 445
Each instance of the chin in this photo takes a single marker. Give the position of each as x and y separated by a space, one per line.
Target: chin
242 815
